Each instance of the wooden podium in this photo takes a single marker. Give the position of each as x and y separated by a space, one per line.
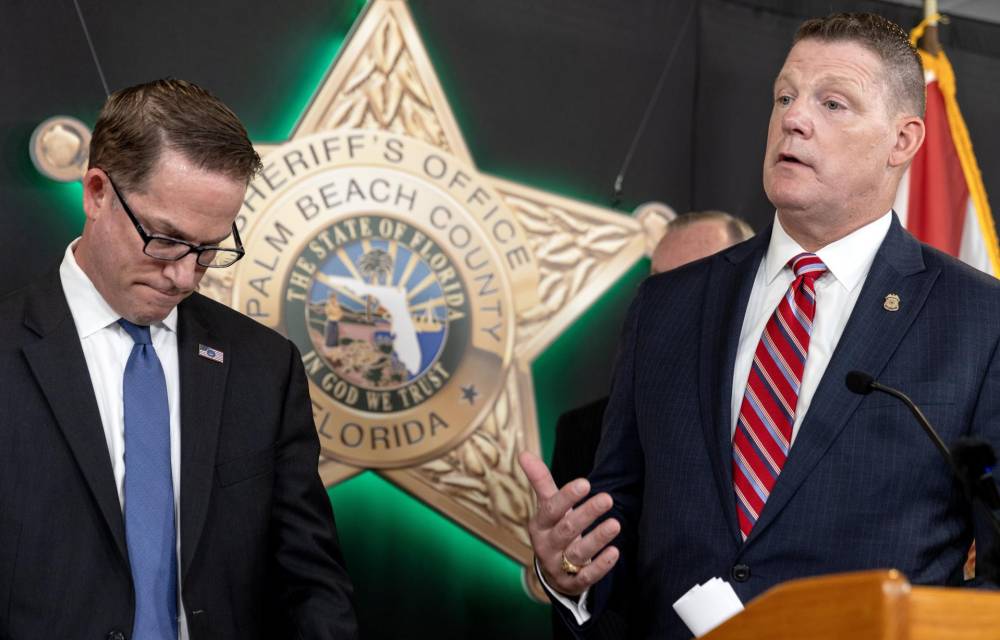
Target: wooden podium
870 605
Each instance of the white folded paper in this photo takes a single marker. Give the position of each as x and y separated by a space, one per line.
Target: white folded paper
706 606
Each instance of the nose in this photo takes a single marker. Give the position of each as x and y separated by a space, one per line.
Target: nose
185 273
796 119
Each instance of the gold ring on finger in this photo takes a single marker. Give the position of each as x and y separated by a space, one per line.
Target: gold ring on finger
570 568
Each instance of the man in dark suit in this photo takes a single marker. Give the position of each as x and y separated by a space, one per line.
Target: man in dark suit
731 446
158 474
688 237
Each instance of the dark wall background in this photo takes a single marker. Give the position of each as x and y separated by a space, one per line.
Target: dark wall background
547 92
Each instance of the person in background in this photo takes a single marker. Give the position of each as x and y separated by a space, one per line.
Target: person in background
697 235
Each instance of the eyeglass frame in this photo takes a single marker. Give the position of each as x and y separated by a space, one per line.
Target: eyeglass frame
196 248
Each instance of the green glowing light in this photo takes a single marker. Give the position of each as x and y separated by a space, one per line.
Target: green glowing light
65 199
386 533
321 55
427 532
69 195
312 78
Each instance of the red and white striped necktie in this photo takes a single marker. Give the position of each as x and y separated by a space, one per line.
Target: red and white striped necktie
764 430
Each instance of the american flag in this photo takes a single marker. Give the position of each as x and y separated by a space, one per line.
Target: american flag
210 353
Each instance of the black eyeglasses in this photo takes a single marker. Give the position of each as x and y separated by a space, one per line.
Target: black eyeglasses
172 249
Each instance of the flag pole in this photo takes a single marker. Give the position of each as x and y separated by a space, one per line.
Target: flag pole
931 42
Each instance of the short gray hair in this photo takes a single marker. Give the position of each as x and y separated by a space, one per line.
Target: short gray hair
737 229
904 73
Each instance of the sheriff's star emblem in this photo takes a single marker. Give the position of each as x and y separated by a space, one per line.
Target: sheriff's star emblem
418 289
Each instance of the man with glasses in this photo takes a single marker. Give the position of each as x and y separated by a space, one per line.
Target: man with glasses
158 457
173 249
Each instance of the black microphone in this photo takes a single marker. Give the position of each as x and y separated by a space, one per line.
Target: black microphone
861 383
974 462
971 461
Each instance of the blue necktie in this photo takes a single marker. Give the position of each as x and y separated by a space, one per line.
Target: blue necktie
149 491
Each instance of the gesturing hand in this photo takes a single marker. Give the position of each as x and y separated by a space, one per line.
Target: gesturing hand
566 558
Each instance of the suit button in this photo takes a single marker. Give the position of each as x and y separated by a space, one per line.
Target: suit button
115 634
741 573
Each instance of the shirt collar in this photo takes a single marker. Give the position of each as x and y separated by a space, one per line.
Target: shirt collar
90 310
847 260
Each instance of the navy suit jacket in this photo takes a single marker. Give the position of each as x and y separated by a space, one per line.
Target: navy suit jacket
862 488
259 550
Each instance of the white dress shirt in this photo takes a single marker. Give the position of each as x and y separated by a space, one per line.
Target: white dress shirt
848 261
106 348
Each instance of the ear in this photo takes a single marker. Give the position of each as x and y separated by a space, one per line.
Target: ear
909 136
97 193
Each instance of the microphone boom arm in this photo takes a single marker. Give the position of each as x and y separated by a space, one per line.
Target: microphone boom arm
921 418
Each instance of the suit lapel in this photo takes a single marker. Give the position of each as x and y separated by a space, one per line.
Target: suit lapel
59 366
870 337
730 282
202 383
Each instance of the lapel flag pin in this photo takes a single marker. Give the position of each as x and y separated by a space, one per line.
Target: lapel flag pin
208 352
891 302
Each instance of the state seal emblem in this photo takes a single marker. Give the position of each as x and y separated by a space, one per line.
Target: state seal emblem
398 272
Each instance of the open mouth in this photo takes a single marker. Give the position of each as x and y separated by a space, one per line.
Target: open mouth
791 159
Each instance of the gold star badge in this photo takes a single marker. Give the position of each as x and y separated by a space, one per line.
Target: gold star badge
418 289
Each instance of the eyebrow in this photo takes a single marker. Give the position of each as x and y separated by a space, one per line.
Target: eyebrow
838 80
173 232
834 79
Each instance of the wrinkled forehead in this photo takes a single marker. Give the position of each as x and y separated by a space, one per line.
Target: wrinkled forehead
838 64
844 56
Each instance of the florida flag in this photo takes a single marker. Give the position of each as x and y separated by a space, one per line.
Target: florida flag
942 200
